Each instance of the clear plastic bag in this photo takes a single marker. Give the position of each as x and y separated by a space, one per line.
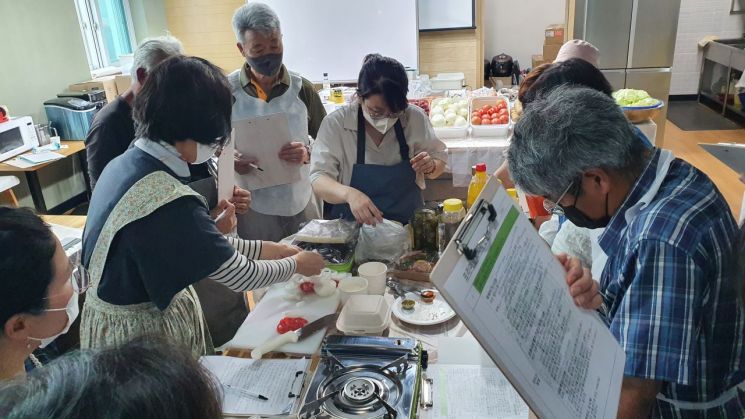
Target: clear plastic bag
384 242
327 231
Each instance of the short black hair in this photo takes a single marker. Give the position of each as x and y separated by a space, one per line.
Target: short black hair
184 98
575 71
147 378
27 246
384 76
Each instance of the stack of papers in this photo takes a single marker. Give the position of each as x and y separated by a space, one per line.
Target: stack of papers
32 159
278 380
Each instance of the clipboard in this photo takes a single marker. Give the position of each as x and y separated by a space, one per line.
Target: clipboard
731 154
262 137
510 291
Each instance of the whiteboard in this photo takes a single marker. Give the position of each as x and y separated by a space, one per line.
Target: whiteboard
333 36
446 14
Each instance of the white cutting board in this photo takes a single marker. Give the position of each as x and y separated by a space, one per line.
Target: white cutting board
261 324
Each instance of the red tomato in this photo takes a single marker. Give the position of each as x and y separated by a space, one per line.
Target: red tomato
476 114
504 119
485 108
502 111
501 105
476 120
492 111
288 324
307 287
486 121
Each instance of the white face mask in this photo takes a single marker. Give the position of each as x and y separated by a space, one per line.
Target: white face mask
382 124
72 314
204 152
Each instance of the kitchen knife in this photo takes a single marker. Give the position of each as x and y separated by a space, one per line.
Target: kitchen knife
294 336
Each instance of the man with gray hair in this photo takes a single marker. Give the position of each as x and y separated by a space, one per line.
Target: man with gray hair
666 296
263 86
112 130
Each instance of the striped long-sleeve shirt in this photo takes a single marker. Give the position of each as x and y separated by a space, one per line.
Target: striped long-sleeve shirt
242 272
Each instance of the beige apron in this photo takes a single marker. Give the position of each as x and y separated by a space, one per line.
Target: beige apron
104 324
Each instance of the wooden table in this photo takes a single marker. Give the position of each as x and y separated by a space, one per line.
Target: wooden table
74 148
72 221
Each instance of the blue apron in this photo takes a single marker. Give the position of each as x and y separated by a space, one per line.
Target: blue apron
392 189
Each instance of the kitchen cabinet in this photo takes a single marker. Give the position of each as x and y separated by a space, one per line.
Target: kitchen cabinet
721 67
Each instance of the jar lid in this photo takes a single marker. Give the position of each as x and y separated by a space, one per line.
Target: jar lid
481 167
453 205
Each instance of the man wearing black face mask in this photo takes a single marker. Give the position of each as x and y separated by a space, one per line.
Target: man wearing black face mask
667 235
264 86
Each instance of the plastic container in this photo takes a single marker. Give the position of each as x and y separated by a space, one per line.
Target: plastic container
448 81
478 181
423 103
490 131
364 315
451 133
452 215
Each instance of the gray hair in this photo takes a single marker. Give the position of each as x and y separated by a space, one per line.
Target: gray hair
565 133
254 17
153 51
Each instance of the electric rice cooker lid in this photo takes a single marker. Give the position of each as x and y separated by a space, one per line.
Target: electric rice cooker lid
72 103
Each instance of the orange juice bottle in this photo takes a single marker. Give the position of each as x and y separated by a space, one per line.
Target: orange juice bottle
478 181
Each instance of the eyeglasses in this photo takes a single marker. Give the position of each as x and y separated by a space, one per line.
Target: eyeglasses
554 208
381 115
80 280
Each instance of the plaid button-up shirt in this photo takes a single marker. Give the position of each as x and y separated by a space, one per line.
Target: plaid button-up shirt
670 304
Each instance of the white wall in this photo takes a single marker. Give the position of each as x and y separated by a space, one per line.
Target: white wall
516 27
699 18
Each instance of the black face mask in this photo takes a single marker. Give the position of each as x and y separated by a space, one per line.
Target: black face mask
267 65
579 218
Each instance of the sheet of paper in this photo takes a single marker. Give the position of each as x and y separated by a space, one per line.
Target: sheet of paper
70 238
43 157
226 170
261 138
21 164
513 297
471 391
275 379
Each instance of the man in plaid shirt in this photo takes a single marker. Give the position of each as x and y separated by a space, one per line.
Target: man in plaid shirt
668 236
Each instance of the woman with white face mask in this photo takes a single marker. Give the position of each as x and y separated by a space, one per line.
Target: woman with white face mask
371 158
149 237
40 289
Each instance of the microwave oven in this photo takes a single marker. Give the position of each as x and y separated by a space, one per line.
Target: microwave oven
17 136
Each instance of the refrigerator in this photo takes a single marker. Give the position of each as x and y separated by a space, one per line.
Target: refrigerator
636 39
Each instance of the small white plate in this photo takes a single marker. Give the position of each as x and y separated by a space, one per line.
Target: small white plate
423 314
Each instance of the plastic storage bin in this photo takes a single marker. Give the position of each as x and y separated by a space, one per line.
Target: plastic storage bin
490 131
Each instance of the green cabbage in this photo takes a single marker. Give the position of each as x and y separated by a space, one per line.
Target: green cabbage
650 101
630 97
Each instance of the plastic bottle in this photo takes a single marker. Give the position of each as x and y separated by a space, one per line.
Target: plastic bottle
326 82
478 181
452 214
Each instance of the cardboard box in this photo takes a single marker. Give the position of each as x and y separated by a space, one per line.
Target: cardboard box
500 82
107 84
550 52
536 60
122 83
554 35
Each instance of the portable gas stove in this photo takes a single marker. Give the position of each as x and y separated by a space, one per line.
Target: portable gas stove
365 377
